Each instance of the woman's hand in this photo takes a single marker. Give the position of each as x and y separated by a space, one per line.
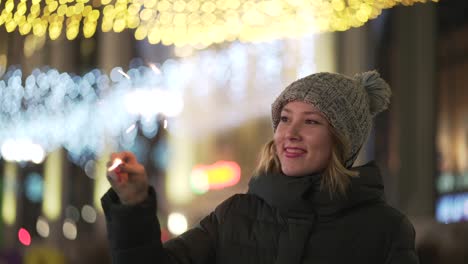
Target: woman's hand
128 179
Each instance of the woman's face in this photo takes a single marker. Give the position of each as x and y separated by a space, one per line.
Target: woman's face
302 139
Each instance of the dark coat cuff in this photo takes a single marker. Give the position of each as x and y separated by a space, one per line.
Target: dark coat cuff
131 226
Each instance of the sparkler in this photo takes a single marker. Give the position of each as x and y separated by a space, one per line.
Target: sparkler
115 176
115 164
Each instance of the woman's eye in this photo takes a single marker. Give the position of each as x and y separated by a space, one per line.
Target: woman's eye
310 121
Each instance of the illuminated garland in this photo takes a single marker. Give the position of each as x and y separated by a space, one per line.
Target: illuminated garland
49 109
193 22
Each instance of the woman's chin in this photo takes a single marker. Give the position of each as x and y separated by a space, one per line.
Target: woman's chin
294 173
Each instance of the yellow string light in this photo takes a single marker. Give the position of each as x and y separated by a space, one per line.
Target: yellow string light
191 22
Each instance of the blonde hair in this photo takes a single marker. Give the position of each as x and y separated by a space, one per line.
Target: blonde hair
335 176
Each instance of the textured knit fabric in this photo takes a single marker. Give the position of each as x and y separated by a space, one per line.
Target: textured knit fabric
349 104
258 228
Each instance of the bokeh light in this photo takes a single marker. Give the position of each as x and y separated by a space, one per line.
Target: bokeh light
32 44
148 103
108 110
3 64
69 229
34 187
72 213
219 175
90 168
24 237
197 23
177 223
9 192
22 150
35 115
160 154
52 202
42 227
445 182
199 181
452 208
88 214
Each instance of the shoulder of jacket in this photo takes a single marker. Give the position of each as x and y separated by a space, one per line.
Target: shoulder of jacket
393 213
394 217
240 203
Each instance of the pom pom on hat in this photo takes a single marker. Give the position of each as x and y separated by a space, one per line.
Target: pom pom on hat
378 91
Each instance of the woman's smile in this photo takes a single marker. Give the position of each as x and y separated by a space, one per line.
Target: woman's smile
294 152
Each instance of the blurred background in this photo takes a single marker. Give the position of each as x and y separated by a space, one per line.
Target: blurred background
187 85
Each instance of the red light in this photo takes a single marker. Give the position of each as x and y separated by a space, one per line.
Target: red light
24 237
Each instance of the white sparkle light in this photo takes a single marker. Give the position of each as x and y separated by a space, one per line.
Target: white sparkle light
42 227
130 129
22 150
177 223
69 229
53 109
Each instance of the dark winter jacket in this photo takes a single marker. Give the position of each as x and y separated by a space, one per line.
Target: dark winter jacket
281 220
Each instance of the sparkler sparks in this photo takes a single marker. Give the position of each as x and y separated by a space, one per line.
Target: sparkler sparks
130 129
124 74
154 68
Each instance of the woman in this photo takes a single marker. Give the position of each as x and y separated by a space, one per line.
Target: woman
305 204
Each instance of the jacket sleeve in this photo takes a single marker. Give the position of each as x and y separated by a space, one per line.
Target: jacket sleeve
135 237
402 249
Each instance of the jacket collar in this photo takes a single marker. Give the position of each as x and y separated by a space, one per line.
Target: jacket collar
303 197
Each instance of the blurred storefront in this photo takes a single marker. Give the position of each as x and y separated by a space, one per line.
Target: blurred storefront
421 142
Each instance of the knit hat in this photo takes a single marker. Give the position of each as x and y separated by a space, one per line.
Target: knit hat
348 103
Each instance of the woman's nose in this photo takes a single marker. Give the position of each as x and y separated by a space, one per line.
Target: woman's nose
293 132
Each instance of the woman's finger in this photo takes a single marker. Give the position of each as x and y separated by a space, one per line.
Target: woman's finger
117 177
112 177
129 157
